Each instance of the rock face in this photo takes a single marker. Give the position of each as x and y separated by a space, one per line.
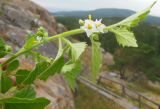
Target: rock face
20 17
17 19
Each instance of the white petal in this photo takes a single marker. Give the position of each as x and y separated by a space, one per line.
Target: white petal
100 20
89 33
101 28
92 30
38 38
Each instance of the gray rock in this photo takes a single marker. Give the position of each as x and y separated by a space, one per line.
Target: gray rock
21 17
18 16
60 28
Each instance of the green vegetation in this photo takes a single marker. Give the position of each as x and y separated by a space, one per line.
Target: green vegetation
107 13
89 99
145 58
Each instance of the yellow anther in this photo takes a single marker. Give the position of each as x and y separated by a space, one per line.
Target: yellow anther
89 17
99 24
89 26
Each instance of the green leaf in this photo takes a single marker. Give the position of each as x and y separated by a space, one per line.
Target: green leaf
30 42
24 103
68 67
2 43
56 65
13 66
27 92
38 57
77 49
4 49
21 75
96 58
71 71
125 37
54 68
2 52
134 19
5 84
39 68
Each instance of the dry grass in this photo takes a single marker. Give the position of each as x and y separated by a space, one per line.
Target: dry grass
89 99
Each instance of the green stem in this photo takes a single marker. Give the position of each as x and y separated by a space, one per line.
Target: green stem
23 50
41 56
67 41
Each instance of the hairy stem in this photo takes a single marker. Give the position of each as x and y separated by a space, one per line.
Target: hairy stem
23 50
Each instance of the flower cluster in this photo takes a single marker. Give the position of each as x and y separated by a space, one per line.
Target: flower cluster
41 34
90 26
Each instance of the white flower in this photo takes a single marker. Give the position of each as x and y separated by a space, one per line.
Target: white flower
100 26
38 38
89 27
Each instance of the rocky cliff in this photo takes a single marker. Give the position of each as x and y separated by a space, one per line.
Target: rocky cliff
17 19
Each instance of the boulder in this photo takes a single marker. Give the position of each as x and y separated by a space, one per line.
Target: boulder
18 18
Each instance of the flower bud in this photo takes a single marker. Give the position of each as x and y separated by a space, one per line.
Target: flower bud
90 17
95 37
81 22
8 48
41 29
